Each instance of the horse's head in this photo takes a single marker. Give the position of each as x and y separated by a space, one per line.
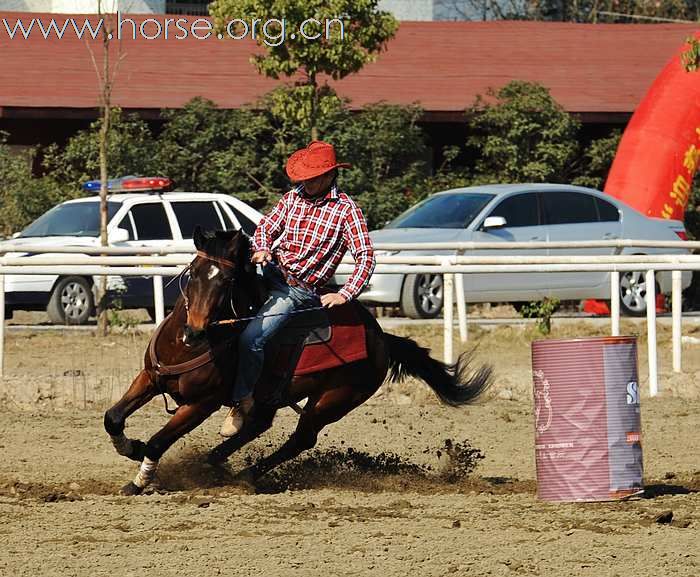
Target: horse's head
222 257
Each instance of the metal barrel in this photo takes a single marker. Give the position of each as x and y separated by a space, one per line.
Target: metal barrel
587 419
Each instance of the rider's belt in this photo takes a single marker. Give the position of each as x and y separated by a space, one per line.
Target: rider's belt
291 280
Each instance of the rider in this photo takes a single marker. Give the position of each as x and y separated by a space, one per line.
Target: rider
315 224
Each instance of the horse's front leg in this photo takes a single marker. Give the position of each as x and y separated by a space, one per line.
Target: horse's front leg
141 391
186 418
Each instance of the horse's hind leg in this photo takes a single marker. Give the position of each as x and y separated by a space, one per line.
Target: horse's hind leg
139 393
321 410
261 422
185 419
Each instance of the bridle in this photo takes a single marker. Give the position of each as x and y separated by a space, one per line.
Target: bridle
224 263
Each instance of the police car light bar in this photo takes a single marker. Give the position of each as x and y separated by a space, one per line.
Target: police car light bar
132 184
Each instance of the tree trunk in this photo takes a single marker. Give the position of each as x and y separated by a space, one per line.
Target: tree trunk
104 177
314 107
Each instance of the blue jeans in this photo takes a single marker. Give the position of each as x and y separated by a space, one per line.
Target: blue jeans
277 311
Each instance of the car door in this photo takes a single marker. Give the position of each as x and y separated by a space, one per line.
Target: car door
579 216
149 226
522 214
193 213
235 218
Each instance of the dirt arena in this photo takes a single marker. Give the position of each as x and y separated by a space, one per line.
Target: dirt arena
402 485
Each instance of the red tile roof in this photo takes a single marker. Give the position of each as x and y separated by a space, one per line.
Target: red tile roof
441 65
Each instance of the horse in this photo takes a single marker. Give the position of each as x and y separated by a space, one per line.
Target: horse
191 357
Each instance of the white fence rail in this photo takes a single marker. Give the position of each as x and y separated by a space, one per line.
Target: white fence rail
133 261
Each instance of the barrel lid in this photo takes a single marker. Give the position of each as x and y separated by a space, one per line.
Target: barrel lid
588 340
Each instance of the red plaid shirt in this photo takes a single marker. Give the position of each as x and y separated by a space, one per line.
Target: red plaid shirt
314 236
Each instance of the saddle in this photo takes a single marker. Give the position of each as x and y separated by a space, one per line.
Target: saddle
313 341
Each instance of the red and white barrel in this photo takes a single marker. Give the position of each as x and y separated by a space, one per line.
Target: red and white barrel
587 419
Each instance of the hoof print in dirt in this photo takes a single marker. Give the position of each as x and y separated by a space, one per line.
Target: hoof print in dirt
129 490
664 518
245 480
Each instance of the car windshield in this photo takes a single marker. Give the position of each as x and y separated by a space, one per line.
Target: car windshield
443 211
71 219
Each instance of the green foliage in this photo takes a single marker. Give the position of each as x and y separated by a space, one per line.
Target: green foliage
365 32
290 111
117 317
388 152
339 51
580 10
597 160
228 151
22 197
524 136
691 57
131 150
692 211
542 311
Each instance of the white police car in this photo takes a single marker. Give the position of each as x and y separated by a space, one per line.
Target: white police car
141 213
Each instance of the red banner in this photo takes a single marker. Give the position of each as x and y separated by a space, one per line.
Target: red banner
660 149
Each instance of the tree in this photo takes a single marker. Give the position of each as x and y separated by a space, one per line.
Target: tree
231 151
351 34
570 10
106 74
23 197
387 149
130 150
483 9
523 136
597 160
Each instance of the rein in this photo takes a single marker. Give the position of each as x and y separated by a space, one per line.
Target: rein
210 354
252 317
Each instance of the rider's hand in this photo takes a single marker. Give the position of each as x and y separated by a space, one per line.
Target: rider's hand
332 300
261 257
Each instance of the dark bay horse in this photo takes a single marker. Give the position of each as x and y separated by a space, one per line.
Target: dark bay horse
192 358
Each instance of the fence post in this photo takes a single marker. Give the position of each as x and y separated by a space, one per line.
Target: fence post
461 307
158 301
676 312
615 303
651 331
447 310
2 327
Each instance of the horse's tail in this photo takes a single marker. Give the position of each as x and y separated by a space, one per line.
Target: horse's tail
455 384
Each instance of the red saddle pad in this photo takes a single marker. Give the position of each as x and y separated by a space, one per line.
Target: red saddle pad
346 345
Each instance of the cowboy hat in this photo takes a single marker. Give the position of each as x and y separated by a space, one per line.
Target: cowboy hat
314 160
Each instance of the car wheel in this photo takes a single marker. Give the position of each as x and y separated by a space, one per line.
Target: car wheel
71 302
422 296
633 294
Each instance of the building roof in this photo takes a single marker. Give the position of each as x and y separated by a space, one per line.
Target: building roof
589 68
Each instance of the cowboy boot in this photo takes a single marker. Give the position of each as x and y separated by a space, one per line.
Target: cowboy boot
237 416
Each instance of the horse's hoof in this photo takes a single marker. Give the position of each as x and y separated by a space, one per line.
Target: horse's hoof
129 490
138 450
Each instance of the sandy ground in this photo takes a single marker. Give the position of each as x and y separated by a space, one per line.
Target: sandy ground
380 495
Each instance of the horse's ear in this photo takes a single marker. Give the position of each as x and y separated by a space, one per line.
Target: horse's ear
198 238
226 234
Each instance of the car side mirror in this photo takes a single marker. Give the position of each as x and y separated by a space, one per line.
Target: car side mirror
119 235
494 222
16 235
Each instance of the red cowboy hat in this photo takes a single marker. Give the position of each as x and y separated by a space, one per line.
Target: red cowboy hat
312 161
